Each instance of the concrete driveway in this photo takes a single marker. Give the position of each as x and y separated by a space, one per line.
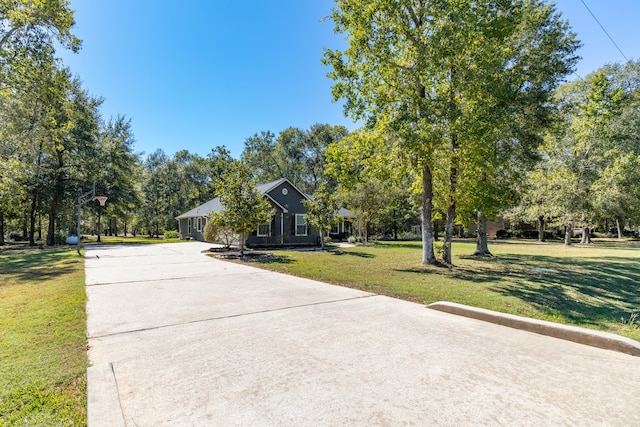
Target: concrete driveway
181 339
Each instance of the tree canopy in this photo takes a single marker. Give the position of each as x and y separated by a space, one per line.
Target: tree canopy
447 79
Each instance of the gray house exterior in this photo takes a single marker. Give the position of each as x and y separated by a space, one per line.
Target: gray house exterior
286 228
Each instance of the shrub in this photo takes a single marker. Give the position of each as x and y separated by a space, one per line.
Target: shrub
351 239
502 234
440 248
60 237
171 234
326 240
16 236
215 233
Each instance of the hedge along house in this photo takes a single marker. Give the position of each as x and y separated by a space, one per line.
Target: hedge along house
287 227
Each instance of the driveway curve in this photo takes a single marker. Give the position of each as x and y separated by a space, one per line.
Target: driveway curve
179 338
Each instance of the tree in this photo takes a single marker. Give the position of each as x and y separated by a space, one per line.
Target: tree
295 154
243 206
581 149
369 169
444 76
117 172
321 210
10 190
616 193
37 85
28 31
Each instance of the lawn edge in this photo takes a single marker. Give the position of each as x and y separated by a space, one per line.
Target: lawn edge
575 334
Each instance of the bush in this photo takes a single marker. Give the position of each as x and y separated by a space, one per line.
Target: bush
351 239
16 236
327 240
502 234
440 248
171 234
215 233
60 237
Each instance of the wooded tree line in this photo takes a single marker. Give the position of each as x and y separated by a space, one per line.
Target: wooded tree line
464 117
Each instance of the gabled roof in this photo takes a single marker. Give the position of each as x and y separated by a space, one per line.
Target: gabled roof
268 186
346 213
203 210
214 205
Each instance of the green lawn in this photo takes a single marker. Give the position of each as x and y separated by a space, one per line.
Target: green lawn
596 286
43 357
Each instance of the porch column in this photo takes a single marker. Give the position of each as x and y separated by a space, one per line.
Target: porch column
281 228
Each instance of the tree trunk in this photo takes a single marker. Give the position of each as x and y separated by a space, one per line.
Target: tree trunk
32 222
25 226
366 231
586 236
241 244
619 228
448 233
395 226
541 224
453 175
51 231
568 230
428 255
1 228
98 225
56 198
53 215
482 243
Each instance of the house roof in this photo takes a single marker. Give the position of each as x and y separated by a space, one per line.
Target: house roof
346 213
214 205
203 210
268 186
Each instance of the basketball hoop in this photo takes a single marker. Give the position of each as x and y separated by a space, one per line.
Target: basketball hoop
101 199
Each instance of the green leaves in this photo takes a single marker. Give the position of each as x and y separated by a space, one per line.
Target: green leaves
462 86
244 207
295 154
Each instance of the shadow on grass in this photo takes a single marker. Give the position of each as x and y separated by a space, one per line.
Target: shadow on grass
581 290
352 253
35 265
274 259
405 244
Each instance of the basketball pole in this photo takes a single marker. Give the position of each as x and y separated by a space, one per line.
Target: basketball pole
82 200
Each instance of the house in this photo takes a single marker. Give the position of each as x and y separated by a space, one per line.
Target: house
287 226
342 226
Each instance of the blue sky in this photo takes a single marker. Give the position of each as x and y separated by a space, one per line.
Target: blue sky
196 74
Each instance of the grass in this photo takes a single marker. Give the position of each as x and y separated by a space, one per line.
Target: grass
42 338
595 286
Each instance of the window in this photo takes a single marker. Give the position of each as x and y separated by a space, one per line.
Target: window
199 224
189 226
264 230
301 225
